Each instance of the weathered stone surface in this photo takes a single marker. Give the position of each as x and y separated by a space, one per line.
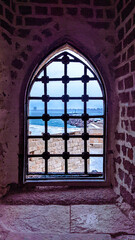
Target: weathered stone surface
126 237
3 233
56 236
61 195
100 219
33 218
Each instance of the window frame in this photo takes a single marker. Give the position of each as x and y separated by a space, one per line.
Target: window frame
75 181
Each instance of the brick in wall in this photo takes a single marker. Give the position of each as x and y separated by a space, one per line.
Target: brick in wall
123 111
121 174
110 13
118 148
37 21
7 2
72 11
1 9
6 26
117 22
133 125
18 20
120 85
87 12
41 10
9 15
102 3
124 57
131 112
116 61
130 153
119 6
124 97
25 10
99 13
127 10
124 150
126 195
133 96
23 32
120 136
76 2
44 1
129 38
131 52
7 38
128 25
118 48
121 33
128 82
57 11
127 180
118 160
133 66
121 71
130 139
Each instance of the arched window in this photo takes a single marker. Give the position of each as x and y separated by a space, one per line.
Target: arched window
65 120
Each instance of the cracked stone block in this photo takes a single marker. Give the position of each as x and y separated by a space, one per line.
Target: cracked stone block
33 218
100 219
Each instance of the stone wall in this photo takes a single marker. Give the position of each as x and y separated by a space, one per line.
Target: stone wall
29 32
124 162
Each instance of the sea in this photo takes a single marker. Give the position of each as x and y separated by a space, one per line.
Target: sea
55 126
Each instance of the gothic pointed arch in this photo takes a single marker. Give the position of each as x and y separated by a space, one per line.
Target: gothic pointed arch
65 120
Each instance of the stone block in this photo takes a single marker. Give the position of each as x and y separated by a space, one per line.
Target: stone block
75 2
41 10
30 21
131 51
128 25
128 82
87 12
24 10
102 3
72 11
23 32
9 15
117 22
44 1
119 5
130 38
126 237
100 219
133 65
56 236
57 11
131 111
1 9
37 219
7 27
121 33
127 10
121 71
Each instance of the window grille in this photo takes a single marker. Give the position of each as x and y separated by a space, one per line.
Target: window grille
80 108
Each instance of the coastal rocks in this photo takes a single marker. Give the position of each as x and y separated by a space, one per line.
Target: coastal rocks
79 123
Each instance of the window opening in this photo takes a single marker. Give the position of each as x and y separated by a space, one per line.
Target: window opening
65 121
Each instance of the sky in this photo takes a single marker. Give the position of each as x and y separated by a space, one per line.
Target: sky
74 88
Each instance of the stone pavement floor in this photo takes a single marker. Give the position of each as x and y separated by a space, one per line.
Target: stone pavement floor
57 222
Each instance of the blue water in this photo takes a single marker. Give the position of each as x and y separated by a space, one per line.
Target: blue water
59 112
